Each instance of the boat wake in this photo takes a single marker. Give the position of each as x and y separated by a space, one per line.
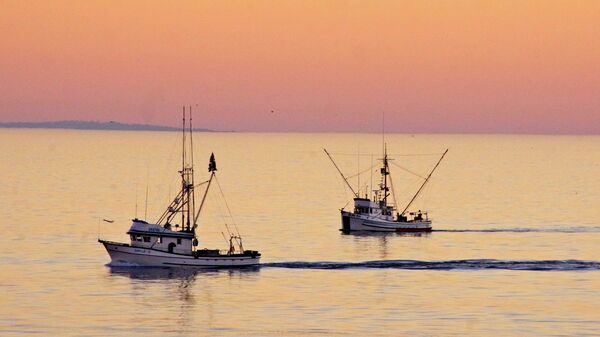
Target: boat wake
478 264
580 229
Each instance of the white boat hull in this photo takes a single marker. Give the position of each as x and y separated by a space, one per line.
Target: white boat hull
358 222
122 254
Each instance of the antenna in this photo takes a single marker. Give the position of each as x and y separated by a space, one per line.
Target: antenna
358 168
371 171
136 199
383 129
146 210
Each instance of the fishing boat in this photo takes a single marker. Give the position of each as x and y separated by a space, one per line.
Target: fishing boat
172 240
376 214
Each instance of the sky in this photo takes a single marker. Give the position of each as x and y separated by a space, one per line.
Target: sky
306 66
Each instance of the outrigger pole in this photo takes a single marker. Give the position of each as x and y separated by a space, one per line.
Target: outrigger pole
203 199
212 167
425 182
340 172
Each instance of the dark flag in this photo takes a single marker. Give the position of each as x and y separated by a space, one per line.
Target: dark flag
212 164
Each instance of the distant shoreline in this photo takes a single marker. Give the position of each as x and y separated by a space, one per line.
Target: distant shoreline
117 126
88 125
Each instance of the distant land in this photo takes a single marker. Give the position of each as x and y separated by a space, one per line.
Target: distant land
86 125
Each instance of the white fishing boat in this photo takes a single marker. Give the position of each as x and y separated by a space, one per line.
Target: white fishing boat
167 243
376 214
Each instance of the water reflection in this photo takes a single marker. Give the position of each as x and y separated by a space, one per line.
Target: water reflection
184 274
180 289
381 239
386 234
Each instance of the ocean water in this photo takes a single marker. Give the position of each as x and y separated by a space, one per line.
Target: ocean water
514 250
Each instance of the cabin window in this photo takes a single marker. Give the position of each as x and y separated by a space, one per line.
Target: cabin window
146 239
138 238
132 237
159 239
178 241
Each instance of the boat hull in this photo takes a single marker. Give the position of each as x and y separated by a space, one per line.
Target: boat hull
355 222
123 254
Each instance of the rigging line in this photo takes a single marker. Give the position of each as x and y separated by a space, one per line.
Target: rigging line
340 172
426 193
228 231
345 189
227 241
409 171
230 214
174 181
390 154
167 167
236 229
225 200
361 172
236 238
425 182
173 208
219 201
414 154
350 154
200 184
214 198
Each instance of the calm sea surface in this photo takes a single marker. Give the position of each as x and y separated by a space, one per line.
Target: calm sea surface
515 251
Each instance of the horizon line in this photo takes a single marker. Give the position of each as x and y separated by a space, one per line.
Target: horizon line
158 127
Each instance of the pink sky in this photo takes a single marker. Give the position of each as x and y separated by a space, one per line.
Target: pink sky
430 66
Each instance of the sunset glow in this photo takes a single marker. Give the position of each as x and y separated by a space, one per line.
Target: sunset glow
429 66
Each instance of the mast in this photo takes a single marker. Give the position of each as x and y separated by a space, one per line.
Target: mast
187 177
385 171
341 174
425 182
393 193
193 208
183 189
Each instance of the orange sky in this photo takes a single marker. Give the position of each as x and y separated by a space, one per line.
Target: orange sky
430 66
